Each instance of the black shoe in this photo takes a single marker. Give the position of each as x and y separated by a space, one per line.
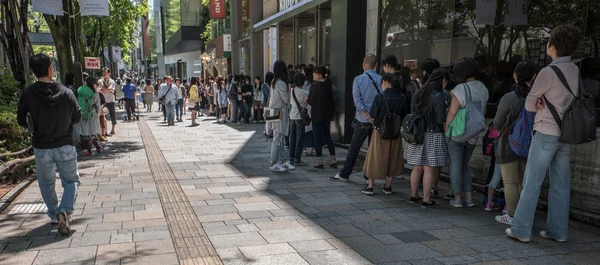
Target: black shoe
435 192
387 191
414 199
367 191
427 204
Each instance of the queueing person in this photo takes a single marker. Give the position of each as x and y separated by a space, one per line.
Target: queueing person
383 155
108 88
266 90
322 102
280 99
222 101
89 126
247 99
309 139
233 93
364 90
298 102
257 99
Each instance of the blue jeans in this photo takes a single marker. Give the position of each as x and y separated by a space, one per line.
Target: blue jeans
460 176
179 108
234 111
47 161
170 110
546 152
277 149
296 140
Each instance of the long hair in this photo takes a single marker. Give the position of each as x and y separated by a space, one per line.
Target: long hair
322 70
435 83
269 78
280 72
194 81
405 74
308 72
524 71
391 61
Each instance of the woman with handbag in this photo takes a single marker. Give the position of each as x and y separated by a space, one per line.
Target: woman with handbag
299 119
278 107
320 98
469 91
385 154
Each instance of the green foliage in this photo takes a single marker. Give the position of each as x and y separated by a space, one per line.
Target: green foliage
12 136
215 27
9 92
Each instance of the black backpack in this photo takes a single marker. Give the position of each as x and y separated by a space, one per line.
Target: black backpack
578 125
413 125
391 125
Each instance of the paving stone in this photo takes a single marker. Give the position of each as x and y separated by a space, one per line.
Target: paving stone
90 240
295 234
236 222
148 214
451 233
486 256
360 241
114 252
218 217
388 239
154 247
144 223
65 255
103 226
229 253
265 250
382 227
50 243
121 238
244 200
278 225
589 257
344 230
15 247
545 260
256 214
235 189
117 217
500 262
491 243
247 228
147 236
221 230
311 245
400 252
465 259
217 202
25 257
256 206
424 262
237 240
162 259
449 247
339 256
129 208
327 201
287 259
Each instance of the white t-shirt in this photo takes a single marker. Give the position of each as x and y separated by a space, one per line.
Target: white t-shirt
301 95
109 96
479 92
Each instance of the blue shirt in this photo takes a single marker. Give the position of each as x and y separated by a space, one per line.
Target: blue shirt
364 92
129 91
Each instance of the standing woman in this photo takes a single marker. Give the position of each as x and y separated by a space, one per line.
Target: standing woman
257 99
432 154
210 92
149 96
309 139
320 98
384 155
265 98
89 102
468 90
280 99
221 100
194 100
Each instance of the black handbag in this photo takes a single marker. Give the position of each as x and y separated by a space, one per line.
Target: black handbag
304 117
162 99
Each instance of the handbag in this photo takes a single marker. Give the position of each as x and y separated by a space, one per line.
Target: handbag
161 100
474 122
273 114
304 117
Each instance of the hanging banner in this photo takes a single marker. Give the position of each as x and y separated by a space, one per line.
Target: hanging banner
485 12
50 7
227 45
412 64
94 7
218 9
116 54
516 14
92 62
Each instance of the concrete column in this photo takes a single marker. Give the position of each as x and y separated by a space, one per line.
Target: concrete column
372 27
236 19
256 40
160 57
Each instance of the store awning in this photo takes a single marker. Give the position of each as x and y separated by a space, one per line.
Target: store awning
288 13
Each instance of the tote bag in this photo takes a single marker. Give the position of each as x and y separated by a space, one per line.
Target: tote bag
474 119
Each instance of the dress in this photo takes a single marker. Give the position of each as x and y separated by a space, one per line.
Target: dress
91 126
149 96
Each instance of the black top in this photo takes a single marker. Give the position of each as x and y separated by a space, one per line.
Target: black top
233 91
392 100
245 89
53 109
435 116
321 100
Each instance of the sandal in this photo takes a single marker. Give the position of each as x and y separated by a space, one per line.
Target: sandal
333 163
319 164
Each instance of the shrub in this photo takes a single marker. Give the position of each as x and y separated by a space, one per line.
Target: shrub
12 136
9 92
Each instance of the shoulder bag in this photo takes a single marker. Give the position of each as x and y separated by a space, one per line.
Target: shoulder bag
162 99
304 117
474 121
273 114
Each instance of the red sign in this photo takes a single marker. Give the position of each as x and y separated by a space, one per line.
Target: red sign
412 64
218 9
92 62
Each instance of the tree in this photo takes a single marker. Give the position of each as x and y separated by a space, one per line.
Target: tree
13 28
60 28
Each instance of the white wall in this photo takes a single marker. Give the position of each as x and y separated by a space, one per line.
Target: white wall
188 57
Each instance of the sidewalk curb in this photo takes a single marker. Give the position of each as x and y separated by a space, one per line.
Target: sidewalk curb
14 192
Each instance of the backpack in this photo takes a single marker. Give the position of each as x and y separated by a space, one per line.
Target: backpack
413 125
519 139
391 125
578 124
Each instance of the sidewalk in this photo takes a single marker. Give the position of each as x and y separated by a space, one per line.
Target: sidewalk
204 195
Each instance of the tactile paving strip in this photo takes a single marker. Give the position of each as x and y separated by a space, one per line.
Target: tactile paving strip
191 242
25 208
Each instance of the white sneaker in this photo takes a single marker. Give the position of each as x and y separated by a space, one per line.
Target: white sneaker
278 168
504 219
289 166
547 235
511 235
54 221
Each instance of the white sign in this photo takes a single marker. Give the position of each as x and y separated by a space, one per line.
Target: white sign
116 54
94 7
285 4
50 7
226 42
485 12
516 14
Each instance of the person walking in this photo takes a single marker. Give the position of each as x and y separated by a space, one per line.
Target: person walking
185 92
157 88
49 111
298 101
547 153
194 100
469 90
107 88
512 167
322 102
169 95
383 156
364 89
149 96
425 158
180 96
129 96
89 127
280 99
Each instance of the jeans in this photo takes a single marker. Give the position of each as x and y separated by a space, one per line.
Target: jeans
111 111
247 110
170 109
546 152
361 133
277 150
512 175
234 111
47 161
460 177
296 140
496 176
130 107
164 111
218 112
179 108
322 136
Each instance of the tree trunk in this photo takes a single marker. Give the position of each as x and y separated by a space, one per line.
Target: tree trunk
59 27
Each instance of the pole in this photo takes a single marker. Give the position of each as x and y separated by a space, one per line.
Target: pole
102 43
77 70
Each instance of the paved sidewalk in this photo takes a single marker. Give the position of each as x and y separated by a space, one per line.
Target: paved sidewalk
129 212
